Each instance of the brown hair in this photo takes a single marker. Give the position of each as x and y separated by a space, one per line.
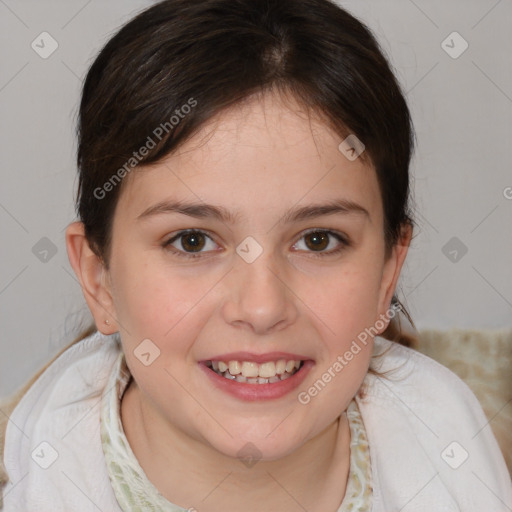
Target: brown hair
218 53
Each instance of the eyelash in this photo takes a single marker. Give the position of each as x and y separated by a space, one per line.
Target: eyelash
344 243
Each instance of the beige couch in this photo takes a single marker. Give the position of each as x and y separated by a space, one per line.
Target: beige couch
483 360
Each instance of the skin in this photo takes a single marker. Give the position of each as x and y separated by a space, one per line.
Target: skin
259 159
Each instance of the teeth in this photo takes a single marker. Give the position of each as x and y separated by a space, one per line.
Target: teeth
267 369
249 369
254 373
235 368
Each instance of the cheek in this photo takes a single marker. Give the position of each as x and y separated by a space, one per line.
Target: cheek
347 300
349 310
153 300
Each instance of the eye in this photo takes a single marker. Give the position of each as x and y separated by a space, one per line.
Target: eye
191 241
317 240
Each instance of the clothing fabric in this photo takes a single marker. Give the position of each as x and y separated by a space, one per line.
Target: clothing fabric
135 492
431 446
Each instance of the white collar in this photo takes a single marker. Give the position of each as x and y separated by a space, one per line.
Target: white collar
410 422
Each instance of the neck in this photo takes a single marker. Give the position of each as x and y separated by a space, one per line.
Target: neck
190 473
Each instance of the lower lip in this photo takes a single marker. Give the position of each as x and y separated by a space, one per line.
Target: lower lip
252 392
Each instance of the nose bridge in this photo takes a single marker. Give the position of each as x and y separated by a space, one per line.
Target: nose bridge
258 294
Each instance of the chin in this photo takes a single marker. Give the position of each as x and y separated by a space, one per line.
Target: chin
257 446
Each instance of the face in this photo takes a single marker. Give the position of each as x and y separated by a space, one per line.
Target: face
260 284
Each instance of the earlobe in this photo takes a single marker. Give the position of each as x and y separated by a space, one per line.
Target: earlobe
92 276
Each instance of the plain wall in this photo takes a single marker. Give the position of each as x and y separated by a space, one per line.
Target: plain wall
461 171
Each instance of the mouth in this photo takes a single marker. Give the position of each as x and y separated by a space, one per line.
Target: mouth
250 372
255 377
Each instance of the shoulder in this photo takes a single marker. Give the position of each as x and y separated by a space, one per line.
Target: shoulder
411 373
427 398
419 383
423 420
66 379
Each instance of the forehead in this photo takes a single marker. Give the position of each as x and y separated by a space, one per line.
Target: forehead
264 153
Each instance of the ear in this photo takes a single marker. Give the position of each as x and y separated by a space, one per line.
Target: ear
94 278
392 269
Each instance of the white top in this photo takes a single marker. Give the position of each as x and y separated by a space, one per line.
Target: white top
431 446
134 491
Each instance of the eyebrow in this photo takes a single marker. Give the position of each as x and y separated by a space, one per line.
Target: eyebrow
203 210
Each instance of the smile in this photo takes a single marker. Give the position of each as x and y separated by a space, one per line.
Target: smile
253 377
251 372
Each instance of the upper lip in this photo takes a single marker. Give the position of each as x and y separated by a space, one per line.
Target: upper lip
257 358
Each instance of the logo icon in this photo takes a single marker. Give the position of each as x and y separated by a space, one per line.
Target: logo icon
249 454
44 45
146 352
454 455
44 455
351 147
249 250
44 250
454 45
454 249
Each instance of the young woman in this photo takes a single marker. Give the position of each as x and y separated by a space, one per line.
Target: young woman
244 216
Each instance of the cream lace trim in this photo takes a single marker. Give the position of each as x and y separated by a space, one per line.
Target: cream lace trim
134 491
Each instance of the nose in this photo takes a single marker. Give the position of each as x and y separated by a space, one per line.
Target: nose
258 297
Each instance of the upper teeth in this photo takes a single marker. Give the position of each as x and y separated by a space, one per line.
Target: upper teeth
252 369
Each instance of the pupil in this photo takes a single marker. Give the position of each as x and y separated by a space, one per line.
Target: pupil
318 240
192 241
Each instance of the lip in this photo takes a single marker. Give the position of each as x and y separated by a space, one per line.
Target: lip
254 392
256 358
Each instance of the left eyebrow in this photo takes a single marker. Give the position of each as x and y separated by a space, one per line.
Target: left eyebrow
344 206
202 210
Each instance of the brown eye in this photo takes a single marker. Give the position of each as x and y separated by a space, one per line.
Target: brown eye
319 240
316 241
193 241
191 244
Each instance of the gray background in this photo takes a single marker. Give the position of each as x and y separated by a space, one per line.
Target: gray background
462 172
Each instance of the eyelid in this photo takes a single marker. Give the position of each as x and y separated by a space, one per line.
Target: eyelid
340 237
167 244
337 234
344 242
